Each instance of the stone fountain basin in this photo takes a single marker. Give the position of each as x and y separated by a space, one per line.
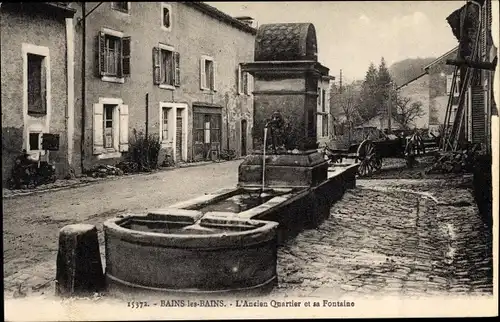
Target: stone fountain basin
184 251
220 242
294 208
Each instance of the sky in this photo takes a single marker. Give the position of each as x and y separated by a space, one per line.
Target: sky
351 34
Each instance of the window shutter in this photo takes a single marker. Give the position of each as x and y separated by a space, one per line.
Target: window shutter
245 83
319 99
214 74
250 84
101 57
177 68
126 56
203 84
123 128
449 81
156 66
238 79
98 142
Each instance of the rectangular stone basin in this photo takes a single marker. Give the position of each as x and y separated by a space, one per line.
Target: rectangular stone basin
293 208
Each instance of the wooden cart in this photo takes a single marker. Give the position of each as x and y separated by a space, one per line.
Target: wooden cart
369 152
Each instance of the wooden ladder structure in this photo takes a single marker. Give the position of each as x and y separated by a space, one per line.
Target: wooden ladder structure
453 129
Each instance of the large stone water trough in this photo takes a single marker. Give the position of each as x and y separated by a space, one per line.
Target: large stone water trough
220 242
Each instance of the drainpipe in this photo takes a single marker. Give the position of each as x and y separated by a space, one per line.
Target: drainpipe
84 43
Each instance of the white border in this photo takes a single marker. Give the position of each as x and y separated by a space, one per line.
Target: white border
175 109
169 7
115 153
205 58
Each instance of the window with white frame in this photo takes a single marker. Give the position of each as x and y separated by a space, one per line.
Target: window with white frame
244 82
110 128
37 87
207 73
166 66
323 119
166 16
121 6
114 55
164 123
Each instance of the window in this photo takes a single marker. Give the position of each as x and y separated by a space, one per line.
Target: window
121 6
164 129
114 56
166 17
323 103
34 141
245 82
166 66
325 125
110 128
323 119
36 84
207 73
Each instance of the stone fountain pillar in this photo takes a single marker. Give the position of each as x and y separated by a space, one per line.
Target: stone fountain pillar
287 75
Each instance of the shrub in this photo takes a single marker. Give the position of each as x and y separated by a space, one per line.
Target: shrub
144 151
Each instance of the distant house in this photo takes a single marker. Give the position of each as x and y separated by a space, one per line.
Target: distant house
440 83
432 89
417 90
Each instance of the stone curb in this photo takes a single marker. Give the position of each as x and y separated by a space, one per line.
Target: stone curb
110 178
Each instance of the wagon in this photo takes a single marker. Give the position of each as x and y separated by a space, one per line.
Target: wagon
368 148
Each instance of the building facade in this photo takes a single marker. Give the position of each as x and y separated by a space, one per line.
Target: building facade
417 92
440 83
168 69
37 82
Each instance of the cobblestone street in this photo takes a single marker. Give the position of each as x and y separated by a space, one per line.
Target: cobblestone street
404 237
384 241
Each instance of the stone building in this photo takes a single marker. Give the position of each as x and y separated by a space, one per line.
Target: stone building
37 81
417 91
170 69
440 82
432 89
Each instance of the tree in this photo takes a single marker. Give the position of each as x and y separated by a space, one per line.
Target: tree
407 112
344 105
368 106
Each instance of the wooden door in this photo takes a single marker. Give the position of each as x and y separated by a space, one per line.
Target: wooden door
178 139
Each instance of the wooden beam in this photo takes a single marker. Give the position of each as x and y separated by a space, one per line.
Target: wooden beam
476 65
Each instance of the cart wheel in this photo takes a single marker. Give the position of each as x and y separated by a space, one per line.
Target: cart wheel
368 158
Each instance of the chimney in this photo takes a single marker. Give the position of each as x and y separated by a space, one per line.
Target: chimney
246 20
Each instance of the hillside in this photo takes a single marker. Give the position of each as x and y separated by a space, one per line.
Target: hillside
405 70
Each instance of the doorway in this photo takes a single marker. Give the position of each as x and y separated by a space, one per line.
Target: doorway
178 138
243 137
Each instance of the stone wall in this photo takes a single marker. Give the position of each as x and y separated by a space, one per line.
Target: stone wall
192 35
22 31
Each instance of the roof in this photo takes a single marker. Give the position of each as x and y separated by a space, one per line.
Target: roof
412 80
286 42
221 16
440 58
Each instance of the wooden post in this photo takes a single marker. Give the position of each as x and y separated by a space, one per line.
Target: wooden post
79 267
